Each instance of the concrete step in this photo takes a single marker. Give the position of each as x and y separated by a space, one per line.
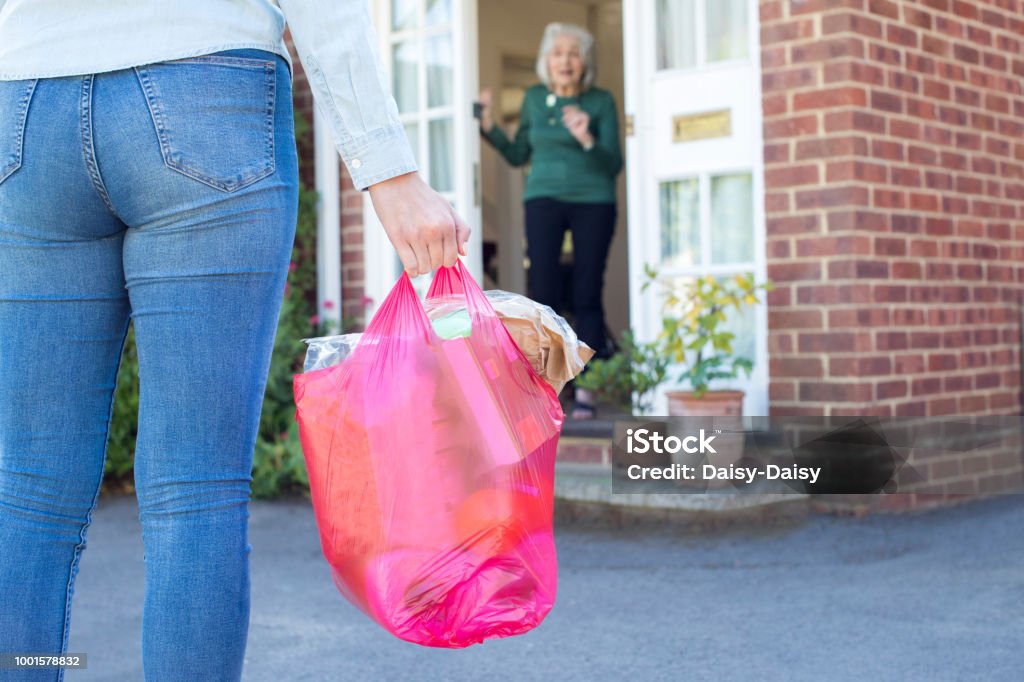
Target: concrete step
583 494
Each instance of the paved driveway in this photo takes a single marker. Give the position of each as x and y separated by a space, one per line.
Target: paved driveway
936 596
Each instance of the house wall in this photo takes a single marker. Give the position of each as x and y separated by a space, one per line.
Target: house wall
895 205
352 269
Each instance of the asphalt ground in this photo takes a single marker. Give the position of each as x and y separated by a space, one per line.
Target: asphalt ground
930 596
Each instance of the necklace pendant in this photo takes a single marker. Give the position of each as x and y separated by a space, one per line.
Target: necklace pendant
551 99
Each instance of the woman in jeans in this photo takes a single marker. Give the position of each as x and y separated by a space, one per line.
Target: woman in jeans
568 132
148 175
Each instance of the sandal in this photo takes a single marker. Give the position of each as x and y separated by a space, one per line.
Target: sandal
582 411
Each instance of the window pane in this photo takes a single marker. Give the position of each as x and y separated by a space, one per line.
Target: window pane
438 12
439 70
727 29
441 148
412 131
680 223
677 34
732 219
742 324
404 82
403 14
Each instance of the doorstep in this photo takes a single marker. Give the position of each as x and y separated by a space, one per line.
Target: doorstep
583 494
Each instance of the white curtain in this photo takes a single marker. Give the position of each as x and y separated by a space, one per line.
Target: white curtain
675 21
727 24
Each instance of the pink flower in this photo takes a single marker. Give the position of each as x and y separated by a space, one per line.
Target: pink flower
328 304
292 266
314 320
366 301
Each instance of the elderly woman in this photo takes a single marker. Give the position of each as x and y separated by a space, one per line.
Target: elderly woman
568 131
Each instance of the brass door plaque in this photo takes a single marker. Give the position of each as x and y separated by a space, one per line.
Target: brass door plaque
703 126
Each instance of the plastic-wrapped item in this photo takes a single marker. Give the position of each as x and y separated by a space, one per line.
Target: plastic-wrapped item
544 337
431 469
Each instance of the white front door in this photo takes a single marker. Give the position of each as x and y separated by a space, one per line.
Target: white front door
429 52
695 164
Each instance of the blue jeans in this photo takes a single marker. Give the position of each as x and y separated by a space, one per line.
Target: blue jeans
166 196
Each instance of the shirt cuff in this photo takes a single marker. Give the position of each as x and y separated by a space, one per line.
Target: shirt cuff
379 155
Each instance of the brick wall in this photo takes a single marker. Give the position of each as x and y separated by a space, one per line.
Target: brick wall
353 281
894 173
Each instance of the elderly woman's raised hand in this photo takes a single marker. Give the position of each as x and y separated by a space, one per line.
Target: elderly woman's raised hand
578 123
486 111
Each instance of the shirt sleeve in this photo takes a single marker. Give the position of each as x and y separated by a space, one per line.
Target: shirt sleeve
516 152
606 143
337 45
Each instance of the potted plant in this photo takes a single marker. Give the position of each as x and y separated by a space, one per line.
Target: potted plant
627 379
693 334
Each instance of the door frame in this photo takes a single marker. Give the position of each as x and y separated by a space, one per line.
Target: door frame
377 249
642 190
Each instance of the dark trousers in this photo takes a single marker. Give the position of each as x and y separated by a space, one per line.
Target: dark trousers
592 228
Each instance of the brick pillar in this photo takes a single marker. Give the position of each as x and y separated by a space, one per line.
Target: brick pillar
894 175
352 268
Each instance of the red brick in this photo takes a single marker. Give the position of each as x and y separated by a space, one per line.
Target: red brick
858 317
901 35
794 271
828 98
792 224
887 390
793 126
827 49
799 366
885 8
850 22
790 176
831 147
799 7
835 392
860 366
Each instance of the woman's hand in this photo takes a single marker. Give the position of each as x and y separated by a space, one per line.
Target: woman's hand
421 224
578 123
486 112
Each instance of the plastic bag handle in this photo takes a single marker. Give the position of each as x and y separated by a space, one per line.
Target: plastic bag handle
457 281
401 314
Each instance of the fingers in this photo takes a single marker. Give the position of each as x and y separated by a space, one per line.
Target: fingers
422 258
450 245
462 231
435 247
408 258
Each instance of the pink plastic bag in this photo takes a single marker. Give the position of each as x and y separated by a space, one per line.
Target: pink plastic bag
431 468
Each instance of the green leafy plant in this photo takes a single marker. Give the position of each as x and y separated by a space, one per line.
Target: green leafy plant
124 423
692 331
628 378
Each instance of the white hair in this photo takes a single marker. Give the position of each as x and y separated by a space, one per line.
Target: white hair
586 41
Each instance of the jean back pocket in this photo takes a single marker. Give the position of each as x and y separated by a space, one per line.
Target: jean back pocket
214 117
14 100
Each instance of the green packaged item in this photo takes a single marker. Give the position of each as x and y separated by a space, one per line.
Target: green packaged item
453 325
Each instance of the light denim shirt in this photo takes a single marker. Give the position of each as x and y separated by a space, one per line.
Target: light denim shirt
335 40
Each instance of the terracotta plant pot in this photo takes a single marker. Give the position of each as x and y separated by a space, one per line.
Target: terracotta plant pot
711 404
724 410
